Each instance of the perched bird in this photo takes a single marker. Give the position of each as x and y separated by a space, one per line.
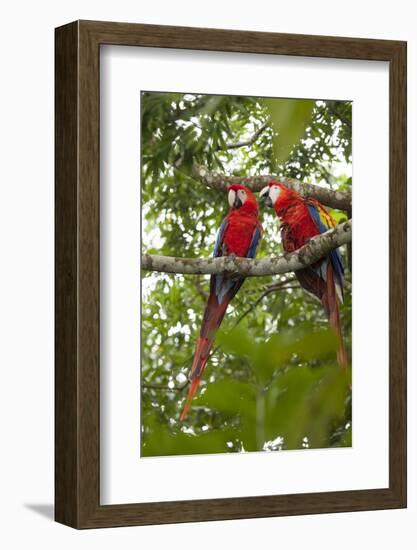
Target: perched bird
239 235
301 220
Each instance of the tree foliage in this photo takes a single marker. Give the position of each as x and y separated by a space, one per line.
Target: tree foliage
272 381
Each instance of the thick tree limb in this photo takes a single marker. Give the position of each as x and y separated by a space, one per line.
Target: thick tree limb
334 199
303 257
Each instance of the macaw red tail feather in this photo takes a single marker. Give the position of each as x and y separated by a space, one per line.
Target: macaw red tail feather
212 319
331 305
201 356
191 393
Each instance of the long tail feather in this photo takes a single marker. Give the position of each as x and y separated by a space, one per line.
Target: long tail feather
331 305
213 316
191 393
201 356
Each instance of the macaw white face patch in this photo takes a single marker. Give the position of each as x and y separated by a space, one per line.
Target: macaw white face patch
231 197
274 192
236 199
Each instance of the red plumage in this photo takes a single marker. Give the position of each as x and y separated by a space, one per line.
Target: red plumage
302 220
239 235
241 224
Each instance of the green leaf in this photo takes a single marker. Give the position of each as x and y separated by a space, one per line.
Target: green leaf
289 118
303 402
229 397
238 342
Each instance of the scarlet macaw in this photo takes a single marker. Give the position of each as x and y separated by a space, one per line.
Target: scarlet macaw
239 235
301 220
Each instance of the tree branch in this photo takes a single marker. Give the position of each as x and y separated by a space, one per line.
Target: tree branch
165 388
331 106
315 249
273 288
335 199
249 141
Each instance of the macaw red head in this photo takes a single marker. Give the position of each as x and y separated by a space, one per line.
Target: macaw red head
241 197
277 195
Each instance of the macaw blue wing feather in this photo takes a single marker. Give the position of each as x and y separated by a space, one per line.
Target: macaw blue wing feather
324 222
256 237
219 241
321 218
222 284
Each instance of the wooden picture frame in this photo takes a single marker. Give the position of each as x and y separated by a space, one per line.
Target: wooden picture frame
77 405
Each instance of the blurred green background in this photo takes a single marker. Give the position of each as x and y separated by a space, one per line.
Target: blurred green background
272 382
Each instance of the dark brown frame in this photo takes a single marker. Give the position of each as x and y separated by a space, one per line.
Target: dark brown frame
77 274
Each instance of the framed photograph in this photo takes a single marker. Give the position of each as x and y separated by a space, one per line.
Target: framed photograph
228 343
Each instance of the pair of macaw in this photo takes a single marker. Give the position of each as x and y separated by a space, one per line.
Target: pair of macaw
239 235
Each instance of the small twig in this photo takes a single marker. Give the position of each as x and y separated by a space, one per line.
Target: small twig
269 290
165 388
278 285
333 111
200 289
249 141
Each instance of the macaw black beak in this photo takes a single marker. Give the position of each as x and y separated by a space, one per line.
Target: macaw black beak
237 202
265 198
